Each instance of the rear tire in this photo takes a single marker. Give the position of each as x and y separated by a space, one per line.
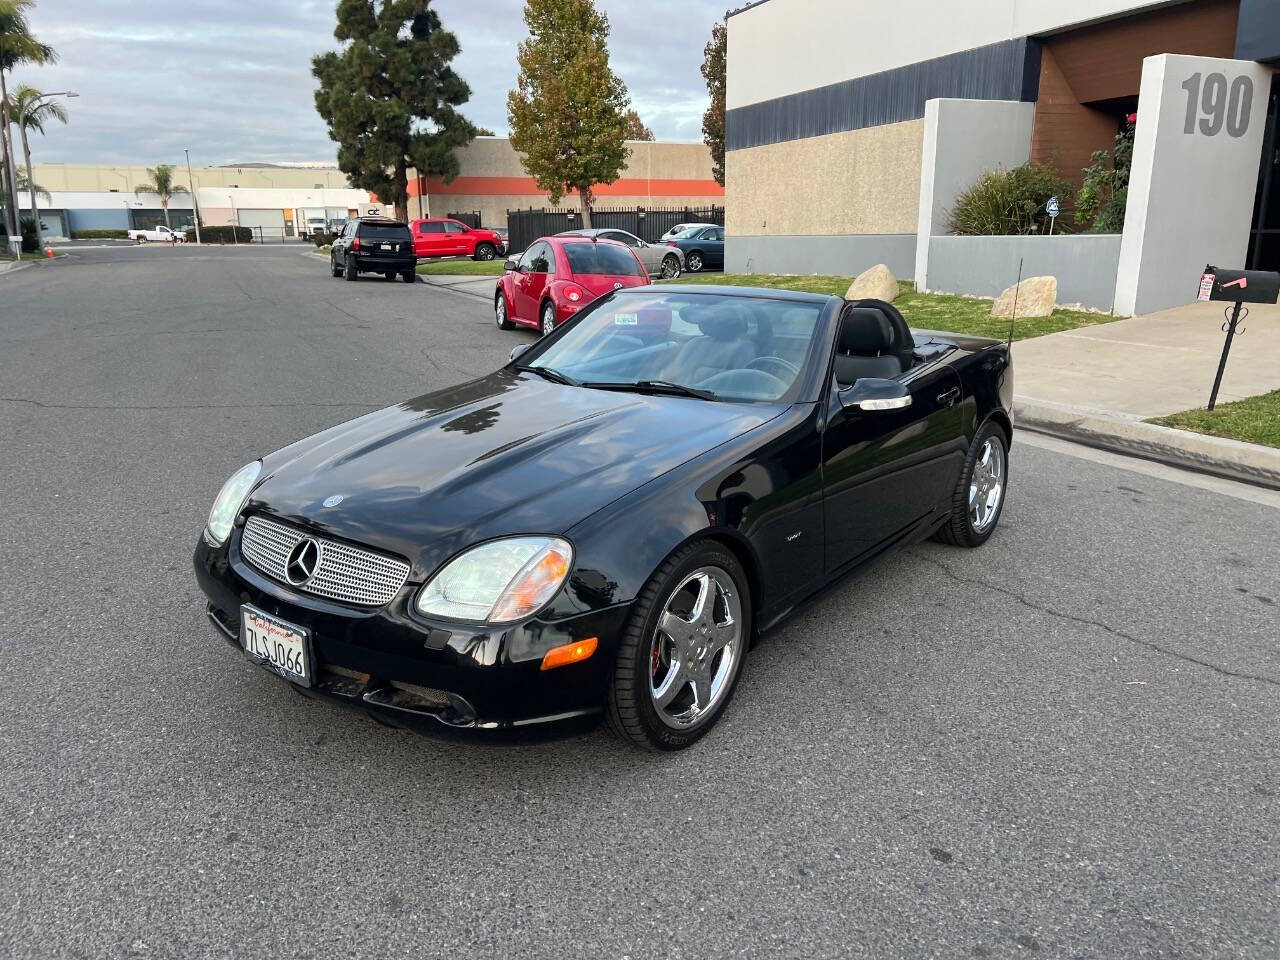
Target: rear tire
485 251
500 312
670 267
693 262
349 269
410 276
633 705
548 323
978 499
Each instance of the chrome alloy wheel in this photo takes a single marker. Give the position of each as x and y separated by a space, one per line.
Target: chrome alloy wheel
500 311
986 485
548 319
696 647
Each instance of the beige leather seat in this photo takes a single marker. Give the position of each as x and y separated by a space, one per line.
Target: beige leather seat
723 345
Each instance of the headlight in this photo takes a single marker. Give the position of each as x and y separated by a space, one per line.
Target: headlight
230 499
498 582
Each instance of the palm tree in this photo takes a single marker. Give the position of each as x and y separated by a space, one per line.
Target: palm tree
31 109
17 45
161 185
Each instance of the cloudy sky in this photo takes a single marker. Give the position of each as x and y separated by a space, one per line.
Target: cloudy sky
231 78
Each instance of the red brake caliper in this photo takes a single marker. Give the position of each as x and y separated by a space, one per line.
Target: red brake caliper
654 658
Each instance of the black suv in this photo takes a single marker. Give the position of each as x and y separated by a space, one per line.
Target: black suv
374 245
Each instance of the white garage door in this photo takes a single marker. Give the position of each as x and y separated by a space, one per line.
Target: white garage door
269 223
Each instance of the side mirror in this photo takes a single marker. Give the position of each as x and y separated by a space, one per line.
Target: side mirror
519 349
510 265
871 393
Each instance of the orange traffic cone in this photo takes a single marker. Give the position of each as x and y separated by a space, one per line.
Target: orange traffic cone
48 251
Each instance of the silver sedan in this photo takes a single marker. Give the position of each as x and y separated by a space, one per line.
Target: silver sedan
661 261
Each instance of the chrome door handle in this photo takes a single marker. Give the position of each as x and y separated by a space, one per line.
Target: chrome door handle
949 397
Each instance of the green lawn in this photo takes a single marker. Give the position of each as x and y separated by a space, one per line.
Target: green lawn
929 311
462 268
1254 420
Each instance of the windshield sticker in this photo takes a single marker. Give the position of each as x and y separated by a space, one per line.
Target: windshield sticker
624 320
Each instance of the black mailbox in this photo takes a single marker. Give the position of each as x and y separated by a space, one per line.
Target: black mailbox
1239 286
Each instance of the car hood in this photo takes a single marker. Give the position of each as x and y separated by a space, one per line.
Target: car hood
508 454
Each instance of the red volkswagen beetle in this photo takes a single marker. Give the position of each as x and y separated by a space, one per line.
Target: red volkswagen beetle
558 276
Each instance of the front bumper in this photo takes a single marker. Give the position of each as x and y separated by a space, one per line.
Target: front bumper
438 678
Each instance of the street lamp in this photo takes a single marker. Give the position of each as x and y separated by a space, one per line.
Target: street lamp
195 201
35 208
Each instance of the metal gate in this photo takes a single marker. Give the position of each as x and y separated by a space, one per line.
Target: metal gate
647 223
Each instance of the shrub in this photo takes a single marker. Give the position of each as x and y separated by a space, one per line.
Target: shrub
1105 192
99 234
30 244
1013 201
323 239
225 234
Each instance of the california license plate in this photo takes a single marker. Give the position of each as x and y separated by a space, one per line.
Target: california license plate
386 246
279 646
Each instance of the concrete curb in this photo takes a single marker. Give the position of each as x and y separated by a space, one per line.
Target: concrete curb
13 266
452 288
1232 459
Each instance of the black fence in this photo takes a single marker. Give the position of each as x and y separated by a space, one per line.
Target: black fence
471 219
647 223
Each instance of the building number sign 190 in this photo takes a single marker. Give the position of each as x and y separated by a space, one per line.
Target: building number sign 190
1213 104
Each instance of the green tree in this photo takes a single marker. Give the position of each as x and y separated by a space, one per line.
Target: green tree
636 129
390 97
31 111
568 111
17 46
1105 191
162 186
714 58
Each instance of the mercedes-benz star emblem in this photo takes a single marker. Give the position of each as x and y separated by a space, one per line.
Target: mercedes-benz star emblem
302 562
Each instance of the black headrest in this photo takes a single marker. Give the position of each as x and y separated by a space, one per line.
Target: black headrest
867 331
903 341
723 323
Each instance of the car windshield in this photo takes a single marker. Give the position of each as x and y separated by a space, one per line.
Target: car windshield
723 347
688 233
603 259
384 231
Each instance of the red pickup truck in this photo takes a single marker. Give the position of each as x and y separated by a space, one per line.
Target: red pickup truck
438 237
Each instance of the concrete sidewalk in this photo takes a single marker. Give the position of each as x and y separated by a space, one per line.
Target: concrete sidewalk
1097 384
476 286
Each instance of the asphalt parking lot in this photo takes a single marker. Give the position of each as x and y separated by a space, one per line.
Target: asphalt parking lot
1061 745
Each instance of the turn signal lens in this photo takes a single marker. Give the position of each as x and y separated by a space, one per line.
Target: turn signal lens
569 653
533 587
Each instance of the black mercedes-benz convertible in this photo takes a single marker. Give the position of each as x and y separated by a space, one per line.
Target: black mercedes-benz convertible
607 523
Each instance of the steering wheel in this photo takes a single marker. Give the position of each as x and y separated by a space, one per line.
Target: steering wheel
772 365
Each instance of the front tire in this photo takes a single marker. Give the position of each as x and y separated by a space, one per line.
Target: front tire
978 499
670 267
548 318
485 251
500 312
682 649
333 267
694 262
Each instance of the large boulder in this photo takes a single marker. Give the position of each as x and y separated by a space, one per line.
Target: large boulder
1036 297
876 283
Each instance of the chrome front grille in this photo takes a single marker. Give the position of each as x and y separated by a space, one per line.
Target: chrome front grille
343 572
